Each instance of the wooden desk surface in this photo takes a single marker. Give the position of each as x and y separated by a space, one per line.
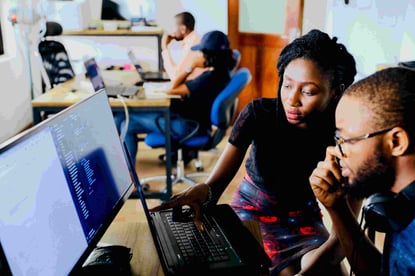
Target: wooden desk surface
62 95
141 32
137 236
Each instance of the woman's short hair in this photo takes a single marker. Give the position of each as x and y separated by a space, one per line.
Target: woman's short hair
330 57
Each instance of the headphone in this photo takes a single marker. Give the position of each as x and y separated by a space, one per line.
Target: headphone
388 211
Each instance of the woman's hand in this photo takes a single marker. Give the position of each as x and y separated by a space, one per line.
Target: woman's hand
326 180
193 197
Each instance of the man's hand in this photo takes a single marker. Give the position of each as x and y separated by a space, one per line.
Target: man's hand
193 197
326 180
165 40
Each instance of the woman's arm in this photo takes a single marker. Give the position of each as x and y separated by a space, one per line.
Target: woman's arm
223 172
178 86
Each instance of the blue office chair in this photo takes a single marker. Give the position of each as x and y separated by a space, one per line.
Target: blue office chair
222 115
237 57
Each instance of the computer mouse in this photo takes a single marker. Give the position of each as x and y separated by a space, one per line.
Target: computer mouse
108 260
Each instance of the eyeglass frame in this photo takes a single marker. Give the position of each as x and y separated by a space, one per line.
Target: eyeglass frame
340 140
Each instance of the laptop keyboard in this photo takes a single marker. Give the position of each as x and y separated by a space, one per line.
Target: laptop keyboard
122 90
199 246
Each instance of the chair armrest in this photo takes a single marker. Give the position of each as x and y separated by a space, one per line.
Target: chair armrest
194 125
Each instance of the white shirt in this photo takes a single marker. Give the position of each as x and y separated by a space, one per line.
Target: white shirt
177 62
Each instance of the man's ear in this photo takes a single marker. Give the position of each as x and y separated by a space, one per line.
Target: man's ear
182 28
398 141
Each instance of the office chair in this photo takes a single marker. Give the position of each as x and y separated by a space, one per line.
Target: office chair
55 63
221 116
237 57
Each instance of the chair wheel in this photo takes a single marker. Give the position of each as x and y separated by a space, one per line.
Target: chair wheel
146 187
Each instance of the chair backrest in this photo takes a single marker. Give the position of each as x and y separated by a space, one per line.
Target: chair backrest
237 57
54 57
224 106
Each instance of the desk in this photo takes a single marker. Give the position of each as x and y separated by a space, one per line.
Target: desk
150 32
61 97
136 235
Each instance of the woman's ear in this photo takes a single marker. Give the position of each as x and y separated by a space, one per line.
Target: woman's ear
341 88
399 141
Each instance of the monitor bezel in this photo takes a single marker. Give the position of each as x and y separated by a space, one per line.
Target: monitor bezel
4 266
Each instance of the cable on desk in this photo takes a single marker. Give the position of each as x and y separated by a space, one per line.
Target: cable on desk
127 118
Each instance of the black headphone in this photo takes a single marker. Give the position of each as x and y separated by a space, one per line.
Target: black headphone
388 211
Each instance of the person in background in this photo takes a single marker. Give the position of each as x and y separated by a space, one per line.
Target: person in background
185 32
285 136
197 95
375 136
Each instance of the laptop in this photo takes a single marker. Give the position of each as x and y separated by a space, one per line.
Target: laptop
147 76
61 184
98 83
225 247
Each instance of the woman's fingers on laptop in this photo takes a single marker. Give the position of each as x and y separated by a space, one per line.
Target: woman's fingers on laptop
193 196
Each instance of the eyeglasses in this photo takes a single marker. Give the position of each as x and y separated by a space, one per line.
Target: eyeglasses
340 140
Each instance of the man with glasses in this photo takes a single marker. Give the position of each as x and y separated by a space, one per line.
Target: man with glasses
373 162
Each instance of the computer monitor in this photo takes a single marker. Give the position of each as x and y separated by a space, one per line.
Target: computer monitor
94 74
61 184
128 10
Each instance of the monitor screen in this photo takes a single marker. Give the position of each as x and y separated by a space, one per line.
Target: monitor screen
61 184
128 9
1 40
94 74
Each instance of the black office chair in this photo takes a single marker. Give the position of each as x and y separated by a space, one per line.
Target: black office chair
56 66
222 115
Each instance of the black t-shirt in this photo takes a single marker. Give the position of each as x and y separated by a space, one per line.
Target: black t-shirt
280 161
203 91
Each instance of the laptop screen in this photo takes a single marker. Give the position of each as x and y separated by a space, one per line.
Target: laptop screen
94 74
61 184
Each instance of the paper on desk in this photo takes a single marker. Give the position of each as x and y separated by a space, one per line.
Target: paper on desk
157 90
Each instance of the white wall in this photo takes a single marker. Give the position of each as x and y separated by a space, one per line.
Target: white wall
209 14
15 104
375 31
314 15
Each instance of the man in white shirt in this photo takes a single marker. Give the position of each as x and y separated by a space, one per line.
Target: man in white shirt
185 33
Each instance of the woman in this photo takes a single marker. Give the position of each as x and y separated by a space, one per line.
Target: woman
197 95
286 137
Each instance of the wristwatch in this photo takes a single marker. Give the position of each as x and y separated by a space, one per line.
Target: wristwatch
188 69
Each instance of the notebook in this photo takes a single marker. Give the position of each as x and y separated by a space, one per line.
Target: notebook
147 76
98 83
62 183
229 246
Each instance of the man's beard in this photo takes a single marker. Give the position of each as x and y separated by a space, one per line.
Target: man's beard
375 175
